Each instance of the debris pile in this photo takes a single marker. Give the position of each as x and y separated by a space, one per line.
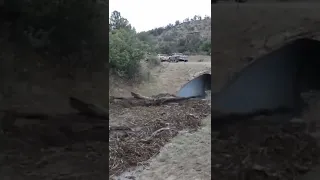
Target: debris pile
263 152
151 122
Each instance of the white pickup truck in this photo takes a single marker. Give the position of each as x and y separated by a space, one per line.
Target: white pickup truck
176 57
163 57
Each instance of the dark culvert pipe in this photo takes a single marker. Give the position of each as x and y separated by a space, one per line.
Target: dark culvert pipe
274 81
197 87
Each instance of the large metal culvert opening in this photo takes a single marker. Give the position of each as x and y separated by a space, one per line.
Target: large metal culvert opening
273 81
197 87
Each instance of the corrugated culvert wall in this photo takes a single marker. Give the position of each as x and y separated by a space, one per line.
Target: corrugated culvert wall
274 80
197 87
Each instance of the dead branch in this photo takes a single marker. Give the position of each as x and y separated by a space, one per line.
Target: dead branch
119 128
155 133
54 120
158 101
69 117
139 96
87 109
174 99
115 97
164 95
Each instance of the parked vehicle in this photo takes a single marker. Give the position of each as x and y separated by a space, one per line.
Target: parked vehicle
163 57
176 57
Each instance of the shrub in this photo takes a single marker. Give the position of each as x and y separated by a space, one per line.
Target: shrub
125 52
153 61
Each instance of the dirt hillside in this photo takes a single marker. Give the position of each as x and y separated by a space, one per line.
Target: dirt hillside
167 78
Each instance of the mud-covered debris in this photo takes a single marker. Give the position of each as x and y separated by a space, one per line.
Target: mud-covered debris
153 127
263 152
